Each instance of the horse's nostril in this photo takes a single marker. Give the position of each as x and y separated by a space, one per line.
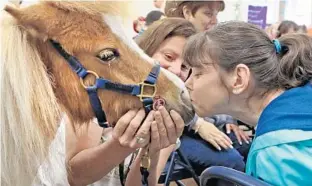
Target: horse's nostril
185 94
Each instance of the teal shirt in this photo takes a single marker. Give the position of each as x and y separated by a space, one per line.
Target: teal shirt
282 158
281 153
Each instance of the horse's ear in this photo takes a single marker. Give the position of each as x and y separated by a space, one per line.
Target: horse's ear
27 21
15 12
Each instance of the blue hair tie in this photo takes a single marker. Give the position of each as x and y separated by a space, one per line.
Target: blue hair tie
278 46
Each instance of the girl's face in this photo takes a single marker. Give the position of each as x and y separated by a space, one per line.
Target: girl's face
208 92
169 55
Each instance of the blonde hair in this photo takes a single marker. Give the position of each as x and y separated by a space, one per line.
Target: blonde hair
29 109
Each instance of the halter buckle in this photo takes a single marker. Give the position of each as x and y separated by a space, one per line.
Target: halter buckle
142 95
89 72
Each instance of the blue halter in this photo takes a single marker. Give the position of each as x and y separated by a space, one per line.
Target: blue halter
101 83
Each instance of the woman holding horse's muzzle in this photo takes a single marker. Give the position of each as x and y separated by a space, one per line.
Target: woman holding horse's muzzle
90 161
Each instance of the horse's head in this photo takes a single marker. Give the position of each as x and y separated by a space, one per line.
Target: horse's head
93 34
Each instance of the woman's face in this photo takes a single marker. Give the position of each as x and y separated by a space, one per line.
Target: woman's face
208 92
169 55
205 17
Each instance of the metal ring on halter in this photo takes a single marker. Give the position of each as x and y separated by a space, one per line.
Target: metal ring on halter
144 85
88 72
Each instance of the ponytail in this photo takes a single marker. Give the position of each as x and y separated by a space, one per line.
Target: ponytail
295 60
279 64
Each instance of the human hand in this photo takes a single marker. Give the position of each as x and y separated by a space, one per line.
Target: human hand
213 135
129 131
165 129
239 133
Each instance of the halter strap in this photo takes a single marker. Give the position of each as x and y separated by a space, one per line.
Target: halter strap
117 87
72 61
101 83
97 107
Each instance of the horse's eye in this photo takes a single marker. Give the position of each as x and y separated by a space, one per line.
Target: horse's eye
107 55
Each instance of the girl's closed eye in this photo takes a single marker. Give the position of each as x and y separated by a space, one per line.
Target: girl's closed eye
197 74
169 57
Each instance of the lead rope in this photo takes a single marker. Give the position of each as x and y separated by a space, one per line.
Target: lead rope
144 167
145 159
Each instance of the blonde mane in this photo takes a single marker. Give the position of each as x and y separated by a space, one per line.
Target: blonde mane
30 113
29 109
32 99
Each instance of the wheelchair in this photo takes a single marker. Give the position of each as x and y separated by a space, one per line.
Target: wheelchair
218 173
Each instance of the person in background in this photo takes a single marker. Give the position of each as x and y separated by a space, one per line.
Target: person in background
153 16
272 30
202 14
150 18
159 4
139 24
286 27
238 70
164 41
302 29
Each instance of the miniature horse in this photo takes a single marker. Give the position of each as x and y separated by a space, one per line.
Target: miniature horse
38 85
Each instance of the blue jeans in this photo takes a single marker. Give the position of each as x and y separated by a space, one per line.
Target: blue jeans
202 154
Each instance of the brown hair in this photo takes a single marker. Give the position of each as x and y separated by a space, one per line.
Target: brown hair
162 29
285 27
175 8
232 43
302 29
